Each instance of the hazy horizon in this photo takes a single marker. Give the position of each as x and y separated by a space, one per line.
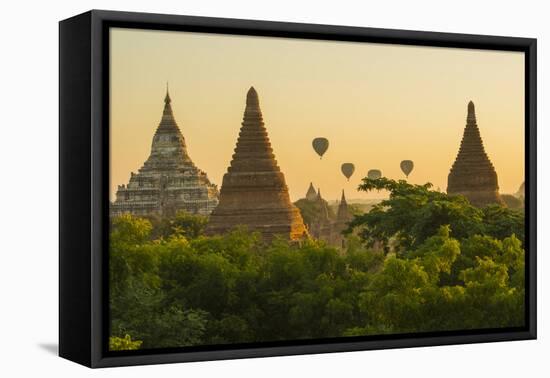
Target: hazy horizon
377 104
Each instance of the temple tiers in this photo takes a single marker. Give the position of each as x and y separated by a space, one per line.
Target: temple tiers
472 174
168 181
254 192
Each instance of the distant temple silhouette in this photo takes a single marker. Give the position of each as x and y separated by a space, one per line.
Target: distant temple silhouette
343 214
323 226
311 194
168 181
472 174
521 191
254 192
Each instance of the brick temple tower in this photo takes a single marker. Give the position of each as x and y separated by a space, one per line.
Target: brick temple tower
254 192
168 181
472 174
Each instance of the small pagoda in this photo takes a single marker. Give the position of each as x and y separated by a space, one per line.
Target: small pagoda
311 194
328 227
472 174
343 216
168 181
254 193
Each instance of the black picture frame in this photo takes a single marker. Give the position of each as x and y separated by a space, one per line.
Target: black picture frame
84 180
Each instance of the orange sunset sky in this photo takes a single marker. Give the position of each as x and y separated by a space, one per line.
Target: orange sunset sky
377 104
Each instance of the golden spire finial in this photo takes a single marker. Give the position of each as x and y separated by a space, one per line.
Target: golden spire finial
252 97
167 99
471 112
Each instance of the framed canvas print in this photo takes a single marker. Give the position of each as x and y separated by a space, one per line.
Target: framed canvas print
234 188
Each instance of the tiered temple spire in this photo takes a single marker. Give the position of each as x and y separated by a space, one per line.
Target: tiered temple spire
168 181
472 174
254 192
168 135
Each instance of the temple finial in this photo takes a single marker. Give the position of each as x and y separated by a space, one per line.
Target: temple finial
343 197
471 111
167 99
252 97
167 116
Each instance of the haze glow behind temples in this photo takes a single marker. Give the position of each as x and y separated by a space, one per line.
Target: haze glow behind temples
376 104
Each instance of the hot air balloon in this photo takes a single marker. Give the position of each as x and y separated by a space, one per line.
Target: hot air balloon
374 174
348 169
320 145
407 167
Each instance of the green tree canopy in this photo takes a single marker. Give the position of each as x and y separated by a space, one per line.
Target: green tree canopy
446 265
413 213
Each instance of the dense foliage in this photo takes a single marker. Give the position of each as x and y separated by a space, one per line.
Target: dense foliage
311 210
419 261
413 213
123 343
